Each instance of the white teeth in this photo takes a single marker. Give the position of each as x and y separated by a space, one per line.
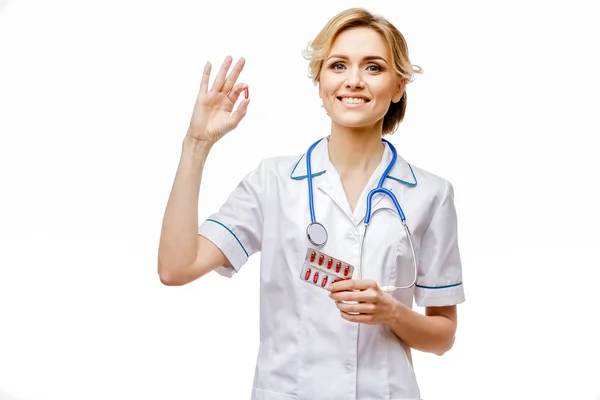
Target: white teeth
353 100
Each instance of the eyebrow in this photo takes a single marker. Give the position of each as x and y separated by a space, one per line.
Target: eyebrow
367 58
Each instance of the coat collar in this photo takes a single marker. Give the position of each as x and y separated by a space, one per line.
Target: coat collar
401 172
328 180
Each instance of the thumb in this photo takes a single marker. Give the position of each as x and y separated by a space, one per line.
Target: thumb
236 91
239 113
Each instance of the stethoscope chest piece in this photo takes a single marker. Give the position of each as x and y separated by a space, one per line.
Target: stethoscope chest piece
316 234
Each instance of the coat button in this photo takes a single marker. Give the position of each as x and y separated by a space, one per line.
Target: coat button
349 368
351 237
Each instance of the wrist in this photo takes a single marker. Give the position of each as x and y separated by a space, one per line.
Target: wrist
397 311
196 145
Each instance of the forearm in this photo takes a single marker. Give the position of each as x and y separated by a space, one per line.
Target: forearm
428 333
179 234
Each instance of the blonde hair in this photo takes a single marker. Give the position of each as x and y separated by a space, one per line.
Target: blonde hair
319 48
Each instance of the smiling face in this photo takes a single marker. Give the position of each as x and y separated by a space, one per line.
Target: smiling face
358 82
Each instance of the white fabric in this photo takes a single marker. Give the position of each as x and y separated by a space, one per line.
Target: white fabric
307 351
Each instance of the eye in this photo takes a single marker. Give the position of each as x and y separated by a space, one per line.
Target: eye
376 68
339 66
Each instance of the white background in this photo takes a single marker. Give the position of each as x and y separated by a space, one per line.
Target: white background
95 98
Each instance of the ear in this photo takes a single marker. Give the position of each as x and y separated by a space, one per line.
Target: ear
399 93
320 93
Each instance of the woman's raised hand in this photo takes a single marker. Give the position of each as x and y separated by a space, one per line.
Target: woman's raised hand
213 115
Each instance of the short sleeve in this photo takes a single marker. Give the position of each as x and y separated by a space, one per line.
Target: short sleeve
236 229
439 280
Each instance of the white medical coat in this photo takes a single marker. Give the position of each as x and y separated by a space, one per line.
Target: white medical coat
307 351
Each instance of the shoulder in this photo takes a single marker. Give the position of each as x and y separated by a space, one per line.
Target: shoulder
279 166
431 180
431 185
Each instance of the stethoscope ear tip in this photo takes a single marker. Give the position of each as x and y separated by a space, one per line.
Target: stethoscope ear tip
392 289
388 289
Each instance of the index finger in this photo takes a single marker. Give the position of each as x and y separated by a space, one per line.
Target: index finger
351 284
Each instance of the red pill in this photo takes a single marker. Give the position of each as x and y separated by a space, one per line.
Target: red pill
307 275
324 282
246 92
338 266
329 263
316 277
321 258
312 256
346 270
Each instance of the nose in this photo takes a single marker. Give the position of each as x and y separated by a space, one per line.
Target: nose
354 79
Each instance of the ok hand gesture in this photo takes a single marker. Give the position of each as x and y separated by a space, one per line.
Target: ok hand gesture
213 115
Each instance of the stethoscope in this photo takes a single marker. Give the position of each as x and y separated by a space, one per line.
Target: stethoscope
317 234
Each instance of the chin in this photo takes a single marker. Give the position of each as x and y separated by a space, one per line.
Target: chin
354 122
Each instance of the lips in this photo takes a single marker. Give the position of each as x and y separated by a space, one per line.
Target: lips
353 102
353 99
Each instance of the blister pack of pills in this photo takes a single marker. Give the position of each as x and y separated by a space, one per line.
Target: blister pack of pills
321 270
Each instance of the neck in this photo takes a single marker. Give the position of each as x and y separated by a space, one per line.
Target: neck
355 151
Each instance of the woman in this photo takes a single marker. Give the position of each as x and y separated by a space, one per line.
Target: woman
352 341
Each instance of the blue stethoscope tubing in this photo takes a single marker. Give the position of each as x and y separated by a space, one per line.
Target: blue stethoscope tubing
318 228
